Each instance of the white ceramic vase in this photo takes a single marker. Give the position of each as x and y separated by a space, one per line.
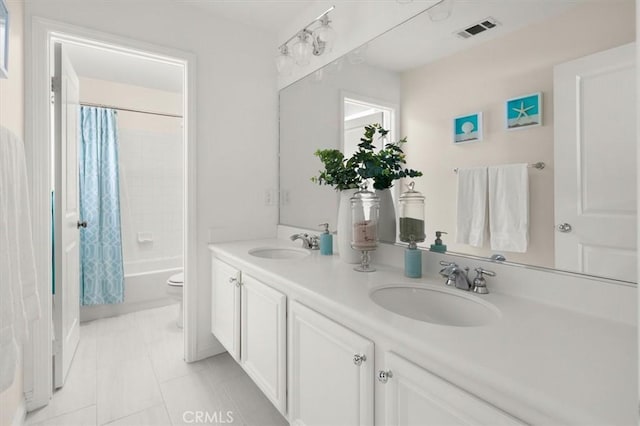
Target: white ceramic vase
347 254
387 218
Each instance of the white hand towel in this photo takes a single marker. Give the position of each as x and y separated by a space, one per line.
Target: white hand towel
19 301
471 222
509 207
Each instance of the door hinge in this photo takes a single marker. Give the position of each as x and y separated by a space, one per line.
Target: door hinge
55 84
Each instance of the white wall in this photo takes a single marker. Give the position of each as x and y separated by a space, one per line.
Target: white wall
355 23
151 172
310 117
236 115
12 117
481 80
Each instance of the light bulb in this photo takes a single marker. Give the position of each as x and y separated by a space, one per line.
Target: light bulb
324 36
302 49
284 61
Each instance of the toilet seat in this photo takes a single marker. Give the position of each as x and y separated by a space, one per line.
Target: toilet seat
176 280
174 290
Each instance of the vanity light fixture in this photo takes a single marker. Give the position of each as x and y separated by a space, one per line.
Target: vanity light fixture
307 42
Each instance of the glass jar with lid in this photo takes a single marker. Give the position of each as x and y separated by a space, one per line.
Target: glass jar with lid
365 209
412 215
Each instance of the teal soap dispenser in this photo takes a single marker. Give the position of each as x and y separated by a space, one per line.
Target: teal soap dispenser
412 229
437 245
413 261
326 241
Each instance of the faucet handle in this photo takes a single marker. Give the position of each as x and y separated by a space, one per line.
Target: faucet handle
479 283
481 272
445 263
314 242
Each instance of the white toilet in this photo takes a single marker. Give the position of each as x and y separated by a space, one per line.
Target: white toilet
174 290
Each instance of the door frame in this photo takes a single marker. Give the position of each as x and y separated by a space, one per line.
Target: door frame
39 35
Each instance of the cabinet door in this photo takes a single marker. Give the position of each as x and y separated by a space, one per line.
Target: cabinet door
414 396
225 306
327 383
263 338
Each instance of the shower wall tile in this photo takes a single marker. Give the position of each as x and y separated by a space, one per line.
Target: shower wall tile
151 191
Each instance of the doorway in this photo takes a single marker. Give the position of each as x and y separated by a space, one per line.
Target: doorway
358 112
39 353
117 122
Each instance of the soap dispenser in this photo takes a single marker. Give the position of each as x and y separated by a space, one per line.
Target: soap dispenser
326 241
437 245
412 229
412 261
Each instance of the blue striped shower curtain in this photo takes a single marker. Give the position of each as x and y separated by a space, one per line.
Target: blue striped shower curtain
101 268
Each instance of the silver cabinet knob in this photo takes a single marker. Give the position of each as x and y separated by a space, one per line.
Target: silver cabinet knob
234 281
564 227
359 359
384 376
82 224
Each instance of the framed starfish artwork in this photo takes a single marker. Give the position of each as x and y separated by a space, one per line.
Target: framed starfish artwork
524 111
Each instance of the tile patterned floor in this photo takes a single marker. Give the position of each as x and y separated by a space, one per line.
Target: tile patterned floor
128 370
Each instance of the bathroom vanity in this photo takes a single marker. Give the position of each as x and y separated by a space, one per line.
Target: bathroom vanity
307 330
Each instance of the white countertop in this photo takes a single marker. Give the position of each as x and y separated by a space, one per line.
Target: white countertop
542 364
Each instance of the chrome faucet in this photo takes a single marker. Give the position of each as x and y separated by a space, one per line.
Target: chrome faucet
448 268
459 277
311 242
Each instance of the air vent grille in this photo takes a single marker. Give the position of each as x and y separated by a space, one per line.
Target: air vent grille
477 28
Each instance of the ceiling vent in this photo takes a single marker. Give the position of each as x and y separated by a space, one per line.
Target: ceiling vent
480 27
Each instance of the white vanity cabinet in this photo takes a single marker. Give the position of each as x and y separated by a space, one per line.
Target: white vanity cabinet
263 337
415 396
225 306
331 371
249 318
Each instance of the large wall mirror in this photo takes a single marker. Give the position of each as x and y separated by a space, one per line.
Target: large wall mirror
424 73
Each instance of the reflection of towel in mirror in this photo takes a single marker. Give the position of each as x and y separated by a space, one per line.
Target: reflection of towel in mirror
471 222
19 301
509 207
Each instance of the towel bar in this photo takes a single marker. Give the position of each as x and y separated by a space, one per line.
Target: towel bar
539 165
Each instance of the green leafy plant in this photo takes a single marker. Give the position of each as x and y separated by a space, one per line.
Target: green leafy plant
382 166
338 171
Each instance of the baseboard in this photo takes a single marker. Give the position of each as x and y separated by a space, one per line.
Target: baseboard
21 414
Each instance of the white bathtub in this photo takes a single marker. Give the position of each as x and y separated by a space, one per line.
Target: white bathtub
141 291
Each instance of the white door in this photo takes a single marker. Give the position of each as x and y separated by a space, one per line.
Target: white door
414 396
595 157
354 130
66 300
330 372
263 331
225 306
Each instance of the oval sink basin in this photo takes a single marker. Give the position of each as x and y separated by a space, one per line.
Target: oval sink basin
279 253
455 308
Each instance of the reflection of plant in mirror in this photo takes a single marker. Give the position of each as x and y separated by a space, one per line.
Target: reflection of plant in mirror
338 172
382 166
385 165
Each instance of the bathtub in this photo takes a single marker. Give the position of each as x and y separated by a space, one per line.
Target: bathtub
142 290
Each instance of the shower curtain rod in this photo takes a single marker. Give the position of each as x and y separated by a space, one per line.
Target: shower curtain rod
89 104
